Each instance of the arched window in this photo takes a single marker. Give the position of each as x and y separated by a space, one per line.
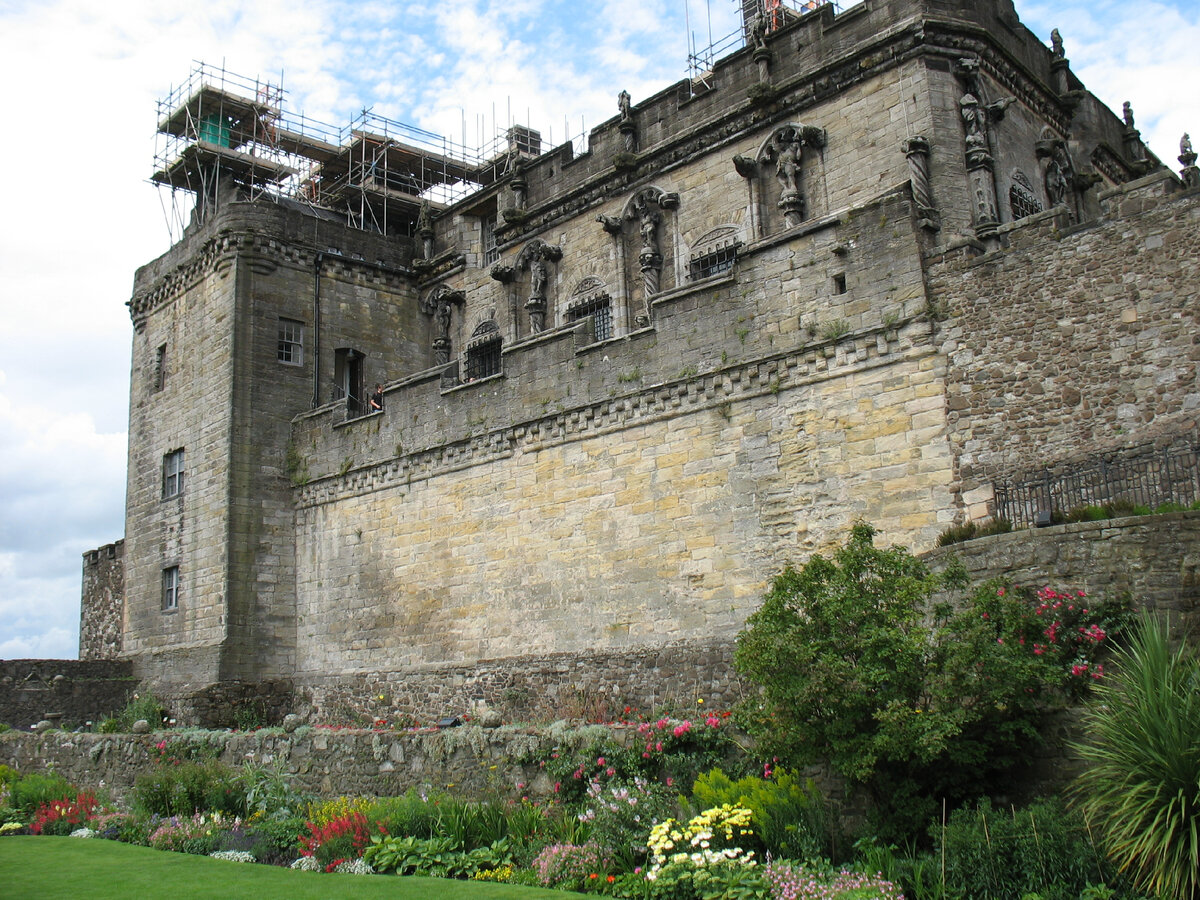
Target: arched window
483 351
714 253
1021 199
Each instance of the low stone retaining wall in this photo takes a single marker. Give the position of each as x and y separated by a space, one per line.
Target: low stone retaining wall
469 760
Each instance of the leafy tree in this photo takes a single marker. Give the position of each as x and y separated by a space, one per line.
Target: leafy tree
1141 788
915 700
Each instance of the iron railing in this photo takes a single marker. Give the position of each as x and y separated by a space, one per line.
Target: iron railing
1149 477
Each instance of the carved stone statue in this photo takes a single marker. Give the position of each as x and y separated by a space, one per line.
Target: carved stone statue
758 31
1127 114
425 229
648 228
441 318
974 119
1056 45
537 278
624 106
627 126
786 150
1186 155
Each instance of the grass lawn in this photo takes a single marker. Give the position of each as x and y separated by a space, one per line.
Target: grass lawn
33 868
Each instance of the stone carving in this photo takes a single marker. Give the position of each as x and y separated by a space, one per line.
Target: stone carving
785 150
646 209
612 224
977 117
1056 45
1058 172
746 166
503 273
534 258
627 126
1187 156
519 183
439 304
916 150
759 27
425 230
1127 113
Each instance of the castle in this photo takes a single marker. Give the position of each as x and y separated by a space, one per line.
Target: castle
873 264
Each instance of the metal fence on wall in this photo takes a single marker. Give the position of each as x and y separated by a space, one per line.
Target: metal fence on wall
1150 478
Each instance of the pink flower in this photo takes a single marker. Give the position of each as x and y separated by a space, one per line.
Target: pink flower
600 761
682 728
662 723
712 722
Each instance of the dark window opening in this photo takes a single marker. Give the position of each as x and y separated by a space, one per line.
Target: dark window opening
839 283
348 380
491 253
600 312
1022 202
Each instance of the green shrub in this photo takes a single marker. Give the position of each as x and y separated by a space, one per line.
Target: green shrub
956 534
189 788
1141 788
912 700
434 857
140 706
1043 849
621 815
789 814
34 790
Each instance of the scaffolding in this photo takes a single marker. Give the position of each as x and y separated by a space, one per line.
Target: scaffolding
225 136
777 13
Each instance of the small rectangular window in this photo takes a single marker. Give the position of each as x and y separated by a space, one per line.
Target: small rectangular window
291 342
491 253
839 283
160 368
172 479
170 588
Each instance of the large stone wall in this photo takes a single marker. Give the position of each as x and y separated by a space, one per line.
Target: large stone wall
1074 340
71 691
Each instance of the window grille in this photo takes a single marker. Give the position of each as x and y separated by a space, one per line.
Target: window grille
170 588
483 352
600 311
1021 198
714 262
291 342
172 474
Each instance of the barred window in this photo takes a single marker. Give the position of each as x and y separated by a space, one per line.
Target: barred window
483 351
170 588
714 253
291 342
599 309
1021 198
172 479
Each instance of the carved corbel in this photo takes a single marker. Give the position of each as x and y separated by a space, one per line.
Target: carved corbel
746 166
611 224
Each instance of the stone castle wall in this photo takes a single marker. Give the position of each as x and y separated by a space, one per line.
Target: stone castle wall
101 625
69 690
1074 340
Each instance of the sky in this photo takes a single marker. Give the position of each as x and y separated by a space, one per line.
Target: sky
79 215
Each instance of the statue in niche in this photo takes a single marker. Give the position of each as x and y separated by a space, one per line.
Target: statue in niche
648 228
537 278
1056 45
441 318
1058 175
785 150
